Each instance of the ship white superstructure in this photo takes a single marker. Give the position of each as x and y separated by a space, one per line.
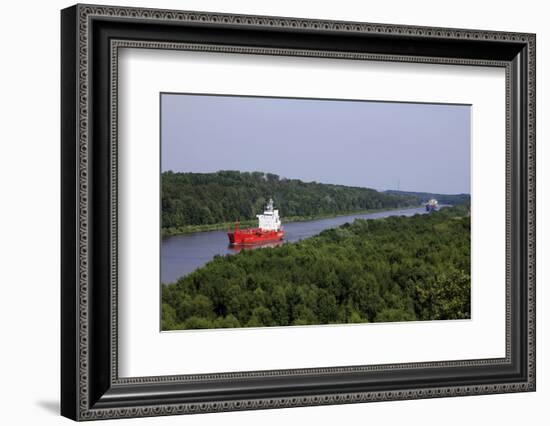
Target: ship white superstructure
269 220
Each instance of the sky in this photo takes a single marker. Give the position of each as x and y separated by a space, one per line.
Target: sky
380 145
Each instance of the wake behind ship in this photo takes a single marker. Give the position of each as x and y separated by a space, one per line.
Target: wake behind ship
269 229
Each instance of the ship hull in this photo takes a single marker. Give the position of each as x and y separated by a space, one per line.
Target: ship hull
254 236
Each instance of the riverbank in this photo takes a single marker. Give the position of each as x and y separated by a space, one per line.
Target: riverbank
191 229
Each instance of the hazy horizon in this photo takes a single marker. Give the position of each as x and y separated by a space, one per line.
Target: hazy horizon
410 147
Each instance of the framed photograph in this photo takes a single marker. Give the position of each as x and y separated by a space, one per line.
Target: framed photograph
263 212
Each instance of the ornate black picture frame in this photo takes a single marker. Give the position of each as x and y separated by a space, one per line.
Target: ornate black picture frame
91 388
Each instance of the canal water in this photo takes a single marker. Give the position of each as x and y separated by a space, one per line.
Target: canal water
182 254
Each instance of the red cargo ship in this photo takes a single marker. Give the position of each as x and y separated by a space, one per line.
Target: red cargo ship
269 229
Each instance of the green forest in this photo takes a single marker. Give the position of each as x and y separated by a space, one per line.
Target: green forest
382 270
195 201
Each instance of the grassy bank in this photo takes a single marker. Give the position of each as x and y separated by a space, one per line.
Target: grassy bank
191 229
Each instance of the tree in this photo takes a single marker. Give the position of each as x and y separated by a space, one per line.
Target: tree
195 199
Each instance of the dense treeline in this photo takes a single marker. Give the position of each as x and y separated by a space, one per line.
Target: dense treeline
190 199
449 199
392 269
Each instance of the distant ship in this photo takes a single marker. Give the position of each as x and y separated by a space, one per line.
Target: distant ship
269 229
431 206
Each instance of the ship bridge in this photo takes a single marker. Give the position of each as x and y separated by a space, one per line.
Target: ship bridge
269 220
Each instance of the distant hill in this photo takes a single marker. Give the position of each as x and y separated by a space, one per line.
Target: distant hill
190 199
451 199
